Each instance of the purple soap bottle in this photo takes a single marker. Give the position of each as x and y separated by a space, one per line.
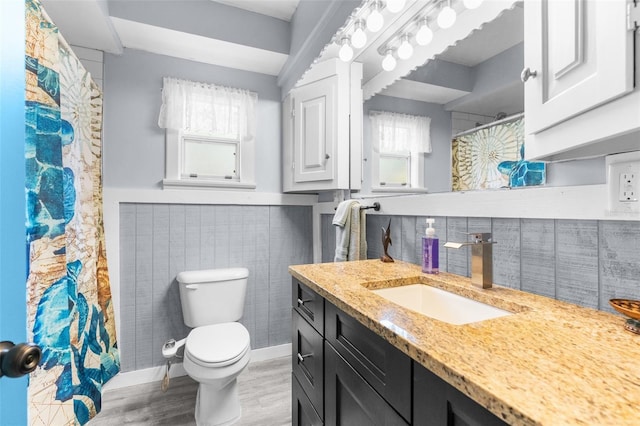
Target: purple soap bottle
430 249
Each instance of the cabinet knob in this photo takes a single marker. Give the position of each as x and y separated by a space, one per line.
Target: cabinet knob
527 73
327 156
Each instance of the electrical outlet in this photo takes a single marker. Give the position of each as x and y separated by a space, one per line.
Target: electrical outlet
628 189
623 181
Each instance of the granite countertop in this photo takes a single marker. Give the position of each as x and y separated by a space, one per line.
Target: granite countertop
551 363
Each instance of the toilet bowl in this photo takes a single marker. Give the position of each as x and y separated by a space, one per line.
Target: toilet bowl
218 348
214 356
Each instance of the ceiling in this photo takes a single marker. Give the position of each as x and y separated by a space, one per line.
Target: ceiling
281 9
99 29
111 26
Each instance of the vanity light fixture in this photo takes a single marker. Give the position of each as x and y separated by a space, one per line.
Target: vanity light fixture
389 62
471 4
375 20
406 49
447 16
359 37
395 6
424 34
346 52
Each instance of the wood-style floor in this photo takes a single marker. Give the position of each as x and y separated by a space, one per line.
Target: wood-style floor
264 389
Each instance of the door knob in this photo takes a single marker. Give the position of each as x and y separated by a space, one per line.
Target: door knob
18 360
527 73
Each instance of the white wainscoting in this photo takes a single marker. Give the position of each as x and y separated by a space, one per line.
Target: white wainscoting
113 197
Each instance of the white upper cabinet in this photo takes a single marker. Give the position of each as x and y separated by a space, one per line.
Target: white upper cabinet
314 127
322 129
579 57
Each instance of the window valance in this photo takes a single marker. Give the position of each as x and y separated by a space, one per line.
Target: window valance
208 109
394 133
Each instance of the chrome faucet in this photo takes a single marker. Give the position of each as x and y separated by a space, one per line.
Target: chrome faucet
481 258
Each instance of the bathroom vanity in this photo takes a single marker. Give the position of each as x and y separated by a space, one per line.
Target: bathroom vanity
359 358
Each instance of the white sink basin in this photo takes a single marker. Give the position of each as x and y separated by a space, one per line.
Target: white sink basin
440 304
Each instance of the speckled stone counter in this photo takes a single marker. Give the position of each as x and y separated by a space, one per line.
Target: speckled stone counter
551 363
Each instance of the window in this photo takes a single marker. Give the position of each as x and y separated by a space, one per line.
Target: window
210 132
399 144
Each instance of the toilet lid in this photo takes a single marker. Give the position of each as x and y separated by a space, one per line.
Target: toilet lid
218 343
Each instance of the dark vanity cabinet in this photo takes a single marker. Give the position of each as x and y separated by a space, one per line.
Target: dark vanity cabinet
365 376
437 403
308 356
345 374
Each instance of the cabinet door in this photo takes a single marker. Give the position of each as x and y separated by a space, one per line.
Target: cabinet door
303 413
437 403
350 400
309 304
308 360
315 130
382 366
582 54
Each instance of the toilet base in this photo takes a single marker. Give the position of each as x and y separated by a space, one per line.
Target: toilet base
217 406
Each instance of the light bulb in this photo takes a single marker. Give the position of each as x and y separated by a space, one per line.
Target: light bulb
406 49
446 17
395 6
346 52
389 62
424 34
359 37
375 20
471 4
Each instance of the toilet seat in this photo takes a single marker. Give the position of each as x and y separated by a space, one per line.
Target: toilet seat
217 345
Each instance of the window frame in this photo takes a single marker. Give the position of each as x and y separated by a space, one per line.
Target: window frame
175 177
416 169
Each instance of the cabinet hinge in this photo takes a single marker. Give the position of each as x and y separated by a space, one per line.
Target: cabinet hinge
633 15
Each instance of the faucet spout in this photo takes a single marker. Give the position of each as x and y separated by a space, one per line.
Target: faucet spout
481 258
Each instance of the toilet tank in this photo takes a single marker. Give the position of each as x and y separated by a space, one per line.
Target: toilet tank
212 296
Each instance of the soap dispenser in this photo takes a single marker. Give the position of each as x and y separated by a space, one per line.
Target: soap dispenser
430 249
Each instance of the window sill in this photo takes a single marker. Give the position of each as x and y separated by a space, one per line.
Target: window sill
203 184
399 190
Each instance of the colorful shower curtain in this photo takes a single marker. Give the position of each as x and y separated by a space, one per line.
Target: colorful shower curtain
69 306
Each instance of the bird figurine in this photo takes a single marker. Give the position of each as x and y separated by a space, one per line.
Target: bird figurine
386 242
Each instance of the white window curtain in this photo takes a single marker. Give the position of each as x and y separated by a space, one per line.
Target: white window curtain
395 133
208 109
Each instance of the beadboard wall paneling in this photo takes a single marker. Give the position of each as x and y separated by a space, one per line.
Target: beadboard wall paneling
577 262
584 262
157 241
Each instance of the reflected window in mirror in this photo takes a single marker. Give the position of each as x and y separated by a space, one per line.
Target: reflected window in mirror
399 142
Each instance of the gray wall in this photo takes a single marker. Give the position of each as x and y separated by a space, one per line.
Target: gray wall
437 164
585 262
157 241
134 145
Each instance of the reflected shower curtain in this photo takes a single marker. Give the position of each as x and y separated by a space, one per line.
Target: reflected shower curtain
69 307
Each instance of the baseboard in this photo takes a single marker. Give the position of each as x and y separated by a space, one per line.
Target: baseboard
155 374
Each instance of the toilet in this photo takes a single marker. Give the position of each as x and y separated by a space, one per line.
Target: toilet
217 350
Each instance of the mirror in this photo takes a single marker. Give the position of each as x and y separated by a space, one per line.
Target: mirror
466 75
468 84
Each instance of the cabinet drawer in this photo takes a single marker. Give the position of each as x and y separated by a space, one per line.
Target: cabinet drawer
308 304
384 367
437 403
307 360
303 413
350 400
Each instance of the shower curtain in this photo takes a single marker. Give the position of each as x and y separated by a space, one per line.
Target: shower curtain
69 306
